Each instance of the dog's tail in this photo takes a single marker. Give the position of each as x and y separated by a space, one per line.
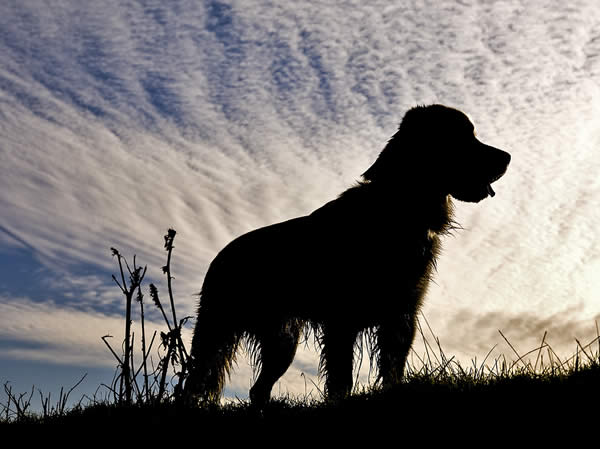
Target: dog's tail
214 346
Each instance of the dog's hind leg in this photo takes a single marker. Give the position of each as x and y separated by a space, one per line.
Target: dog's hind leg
277 351
213 354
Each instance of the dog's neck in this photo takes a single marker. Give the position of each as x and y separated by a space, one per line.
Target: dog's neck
425 209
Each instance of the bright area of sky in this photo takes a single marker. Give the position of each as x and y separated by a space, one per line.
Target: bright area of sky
120 119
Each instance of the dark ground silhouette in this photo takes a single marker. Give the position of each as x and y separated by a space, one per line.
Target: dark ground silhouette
361 262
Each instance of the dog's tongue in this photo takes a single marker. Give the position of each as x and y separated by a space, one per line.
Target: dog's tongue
490 191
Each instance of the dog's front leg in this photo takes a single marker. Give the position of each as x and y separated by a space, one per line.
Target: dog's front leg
394 340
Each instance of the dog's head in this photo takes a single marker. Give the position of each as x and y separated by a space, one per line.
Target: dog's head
436 148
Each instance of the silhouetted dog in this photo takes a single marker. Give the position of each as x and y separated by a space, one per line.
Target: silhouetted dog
362 261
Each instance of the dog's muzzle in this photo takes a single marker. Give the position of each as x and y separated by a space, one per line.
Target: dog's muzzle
497 161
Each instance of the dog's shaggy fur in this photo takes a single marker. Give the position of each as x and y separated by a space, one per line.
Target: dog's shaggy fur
361 262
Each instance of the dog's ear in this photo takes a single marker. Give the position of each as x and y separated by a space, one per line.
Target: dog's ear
403 148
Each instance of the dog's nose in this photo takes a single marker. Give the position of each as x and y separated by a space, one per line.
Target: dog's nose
499 157
501 160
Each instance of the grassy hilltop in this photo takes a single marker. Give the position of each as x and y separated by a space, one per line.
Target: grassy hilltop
523 396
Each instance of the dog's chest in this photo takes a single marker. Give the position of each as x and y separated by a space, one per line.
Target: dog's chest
391 256
411 252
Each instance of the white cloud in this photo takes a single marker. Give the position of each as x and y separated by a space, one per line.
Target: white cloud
50 332
118 121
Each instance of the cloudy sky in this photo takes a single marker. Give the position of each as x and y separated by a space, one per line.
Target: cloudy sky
120 119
